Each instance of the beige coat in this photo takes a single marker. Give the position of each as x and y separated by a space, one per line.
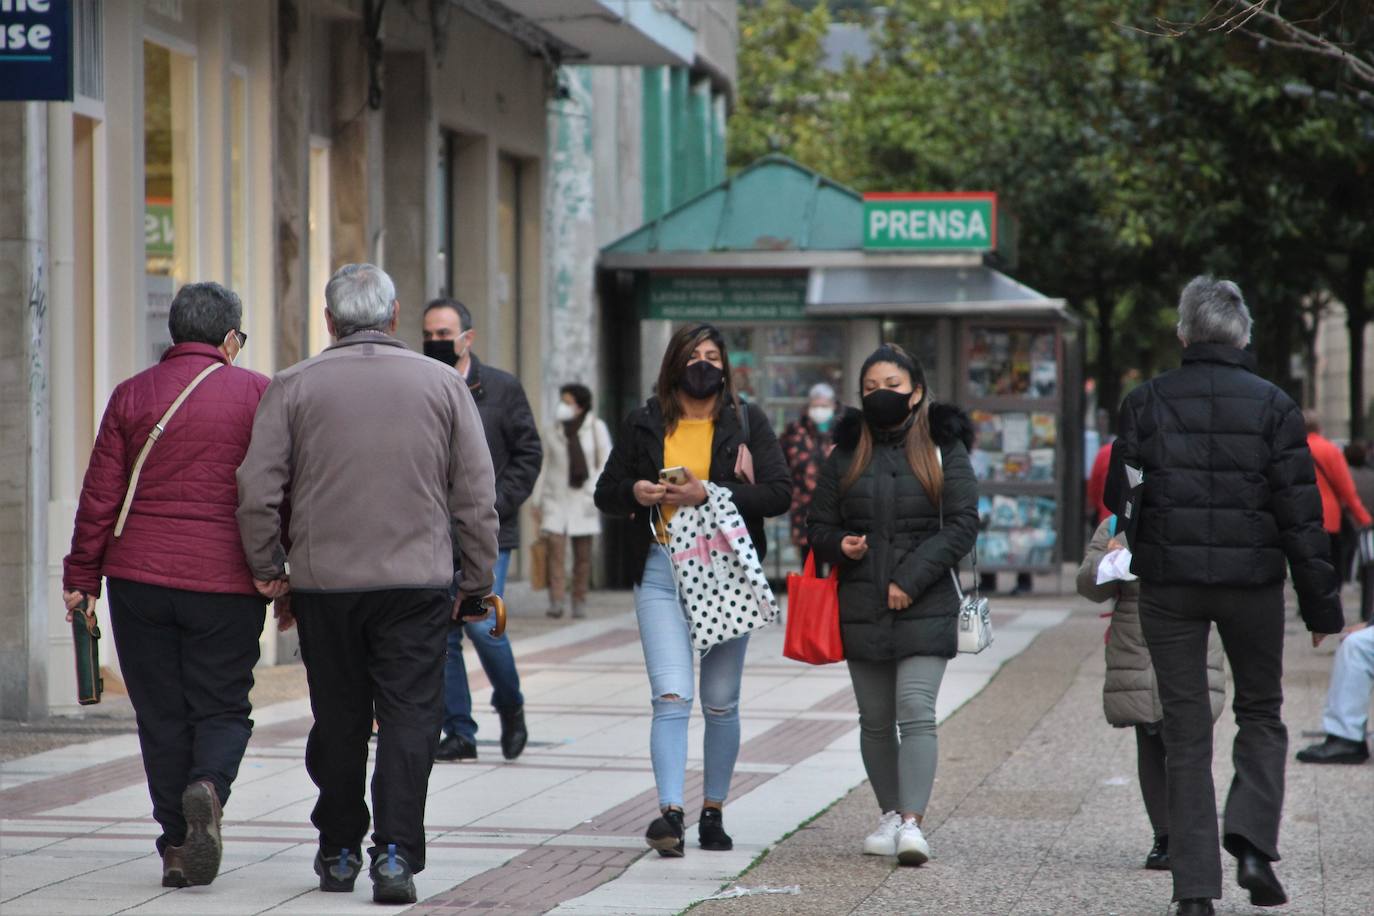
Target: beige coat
378 448
1129 696
563 509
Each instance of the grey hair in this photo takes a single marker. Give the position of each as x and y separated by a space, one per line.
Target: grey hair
821 390
204 313
1213 311
360 297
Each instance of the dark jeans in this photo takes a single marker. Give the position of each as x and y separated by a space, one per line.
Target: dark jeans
380 650
1176 621
187 660
498 661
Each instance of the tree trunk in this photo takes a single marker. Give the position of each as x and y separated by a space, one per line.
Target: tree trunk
1357 318
1108 372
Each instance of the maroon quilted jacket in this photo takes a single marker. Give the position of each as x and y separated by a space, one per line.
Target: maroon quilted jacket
181 532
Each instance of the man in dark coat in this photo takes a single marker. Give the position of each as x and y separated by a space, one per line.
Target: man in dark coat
1213 472
516 456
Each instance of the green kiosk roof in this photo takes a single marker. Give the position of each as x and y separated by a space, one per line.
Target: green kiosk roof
779 215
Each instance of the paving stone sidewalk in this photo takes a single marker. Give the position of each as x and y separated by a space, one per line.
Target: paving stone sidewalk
561 828
1037 809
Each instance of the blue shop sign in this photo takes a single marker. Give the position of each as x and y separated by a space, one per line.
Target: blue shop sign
35 50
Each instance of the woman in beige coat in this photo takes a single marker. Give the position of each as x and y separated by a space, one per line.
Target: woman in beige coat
1129 695
575 453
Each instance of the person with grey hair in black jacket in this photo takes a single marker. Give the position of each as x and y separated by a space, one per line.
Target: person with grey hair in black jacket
1212 471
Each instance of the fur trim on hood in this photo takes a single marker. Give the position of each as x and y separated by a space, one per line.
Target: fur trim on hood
948 424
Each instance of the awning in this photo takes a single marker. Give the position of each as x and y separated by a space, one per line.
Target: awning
615 32
896 290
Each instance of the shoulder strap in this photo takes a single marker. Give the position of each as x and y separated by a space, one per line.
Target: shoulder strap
954 570
742 408
153 435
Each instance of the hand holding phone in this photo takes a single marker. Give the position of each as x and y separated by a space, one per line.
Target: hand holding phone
677 475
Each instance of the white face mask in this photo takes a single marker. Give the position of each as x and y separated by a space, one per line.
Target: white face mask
821 415
565 412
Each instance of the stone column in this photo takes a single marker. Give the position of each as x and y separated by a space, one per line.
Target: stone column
409 177
23 410
291 197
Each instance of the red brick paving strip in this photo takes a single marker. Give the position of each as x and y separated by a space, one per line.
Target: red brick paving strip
71 788
533 882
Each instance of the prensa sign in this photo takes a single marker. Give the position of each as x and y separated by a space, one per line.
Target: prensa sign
955 221
35 50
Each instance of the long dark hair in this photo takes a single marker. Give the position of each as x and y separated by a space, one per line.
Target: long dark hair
675 360
919 446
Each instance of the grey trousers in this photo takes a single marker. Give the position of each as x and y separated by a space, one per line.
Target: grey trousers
897 728
1177 621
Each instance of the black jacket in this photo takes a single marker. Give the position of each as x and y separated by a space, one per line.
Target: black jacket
516 453
906 544
638 455
1229 488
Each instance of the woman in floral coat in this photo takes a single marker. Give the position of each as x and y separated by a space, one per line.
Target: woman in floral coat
806 443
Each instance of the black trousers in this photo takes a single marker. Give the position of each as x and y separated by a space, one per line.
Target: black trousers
1176 621
187 660
380 650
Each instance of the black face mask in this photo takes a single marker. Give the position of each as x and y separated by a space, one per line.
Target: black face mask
701 380
885 408
442 350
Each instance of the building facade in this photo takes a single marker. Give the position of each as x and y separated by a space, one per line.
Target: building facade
473 148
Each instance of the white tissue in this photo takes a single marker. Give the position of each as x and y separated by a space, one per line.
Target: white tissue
1115 565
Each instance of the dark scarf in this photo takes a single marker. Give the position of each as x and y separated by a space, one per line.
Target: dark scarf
577 460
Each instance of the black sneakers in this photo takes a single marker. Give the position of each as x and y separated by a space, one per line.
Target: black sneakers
456 747
1158 859
513 733
392 879
711 831
1335 750
338 872
665 834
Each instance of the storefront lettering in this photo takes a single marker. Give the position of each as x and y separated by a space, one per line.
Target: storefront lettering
922 225
948 222
35 51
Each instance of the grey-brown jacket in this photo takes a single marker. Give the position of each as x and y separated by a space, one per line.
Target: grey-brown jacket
1129 696
376 448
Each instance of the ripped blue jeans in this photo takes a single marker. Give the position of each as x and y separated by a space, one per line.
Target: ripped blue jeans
668 656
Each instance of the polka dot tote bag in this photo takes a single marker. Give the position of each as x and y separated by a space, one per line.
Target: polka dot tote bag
719 577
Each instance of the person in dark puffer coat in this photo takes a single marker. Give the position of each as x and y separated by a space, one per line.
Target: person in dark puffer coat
1227 502
876 513
186 613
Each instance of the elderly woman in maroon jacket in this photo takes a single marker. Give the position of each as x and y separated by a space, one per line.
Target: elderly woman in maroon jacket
161 528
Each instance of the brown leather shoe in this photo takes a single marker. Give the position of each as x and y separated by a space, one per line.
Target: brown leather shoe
202 847
174 868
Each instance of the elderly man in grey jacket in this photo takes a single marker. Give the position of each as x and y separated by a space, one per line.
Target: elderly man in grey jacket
376 448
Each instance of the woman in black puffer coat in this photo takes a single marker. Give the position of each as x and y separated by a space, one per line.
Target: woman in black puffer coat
877 514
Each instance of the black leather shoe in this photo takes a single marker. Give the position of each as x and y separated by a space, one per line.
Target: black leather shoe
711 831
1196 906
392 879
1158 859
456 747
513 734
1256 875
665 834
338 872
1335 750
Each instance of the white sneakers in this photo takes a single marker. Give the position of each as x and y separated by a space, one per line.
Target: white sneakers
912 848
883 841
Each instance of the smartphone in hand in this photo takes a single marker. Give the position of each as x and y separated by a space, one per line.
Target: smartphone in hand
677 476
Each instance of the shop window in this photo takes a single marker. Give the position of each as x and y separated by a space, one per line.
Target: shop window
168 119
1012 363
238 184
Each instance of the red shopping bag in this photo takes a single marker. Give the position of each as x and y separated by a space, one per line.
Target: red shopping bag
813 616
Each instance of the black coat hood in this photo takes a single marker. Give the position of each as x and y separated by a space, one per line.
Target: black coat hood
948 424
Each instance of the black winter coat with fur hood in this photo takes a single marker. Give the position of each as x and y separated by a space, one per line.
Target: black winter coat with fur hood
906 544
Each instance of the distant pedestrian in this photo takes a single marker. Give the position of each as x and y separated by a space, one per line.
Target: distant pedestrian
1338 492
806 443
1097 485
156 518
694 427
1346 719
379 451
516 456
1130 698
579 445
1228 500
895 509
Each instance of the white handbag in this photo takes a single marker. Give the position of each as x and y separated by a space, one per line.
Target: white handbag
720 580
975 615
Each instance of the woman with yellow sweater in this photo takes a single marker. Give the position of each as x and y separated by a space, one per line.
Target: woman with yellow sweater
696 430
